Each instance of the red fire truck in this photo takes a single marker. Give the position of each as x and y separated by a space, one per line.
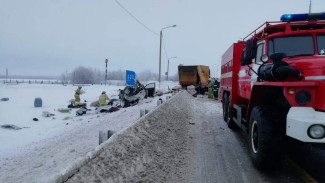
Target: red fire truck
273 86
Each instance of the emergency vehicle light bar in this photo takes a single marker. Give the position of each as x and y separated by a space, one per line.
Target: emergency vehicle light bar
302 17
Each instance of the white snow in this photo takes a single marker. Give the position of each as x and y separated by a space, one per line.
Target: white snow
47 146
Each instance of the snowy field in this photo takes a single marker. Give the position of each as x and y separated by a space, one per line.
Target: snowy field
44 147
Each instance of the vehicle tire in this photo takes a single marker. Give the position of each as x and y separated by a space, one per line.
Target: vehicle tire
230 122
267 137
126 104
224 107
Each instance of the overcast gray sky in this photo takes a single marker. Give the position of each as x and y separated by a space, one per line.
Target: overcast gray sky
49 37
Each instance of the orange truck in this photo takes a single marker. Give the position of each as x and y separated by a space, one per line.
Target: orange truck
196 75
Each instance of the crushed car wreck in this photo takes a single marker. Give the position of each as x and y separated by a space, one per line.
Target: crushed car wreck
131 95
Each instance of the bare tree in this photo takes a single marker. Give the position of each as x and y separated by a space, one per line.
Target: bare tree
82 75
64 78
147 75
116 75
99 76
174 77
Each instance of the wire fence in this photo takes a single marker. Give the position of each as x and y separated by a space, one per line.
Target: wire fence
38 81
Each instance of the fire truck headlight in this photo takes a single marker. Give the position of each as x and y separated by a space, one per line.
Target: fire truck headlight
303 97
264 58
316 131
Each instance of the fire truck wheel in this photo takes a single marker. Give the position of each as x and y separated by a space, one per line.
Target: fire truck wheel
224 108
266 137
227 112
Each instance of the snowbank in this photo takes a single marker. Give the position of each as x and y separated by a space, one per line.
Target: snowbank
152 150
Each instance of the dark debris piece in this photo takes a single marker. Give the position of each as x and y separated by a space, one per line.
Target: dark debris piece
11 127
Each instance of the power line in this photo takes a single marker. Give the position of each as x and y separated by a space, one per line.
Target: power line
135 18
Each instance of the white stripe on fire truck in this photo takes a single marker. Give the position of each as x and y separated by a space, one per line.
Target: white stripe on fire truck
242 80
227 75
314 77
242 73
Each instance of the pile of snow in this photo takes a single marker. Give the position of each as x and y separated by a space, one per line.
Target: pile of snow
163 85
152 150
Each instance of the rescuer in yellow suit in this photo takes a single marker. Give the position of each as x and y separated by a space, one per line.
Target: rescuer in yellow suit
102 99
77 94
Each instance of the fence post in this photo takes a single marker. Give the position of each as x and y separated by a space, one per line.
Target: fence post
159 102
142 112
104 136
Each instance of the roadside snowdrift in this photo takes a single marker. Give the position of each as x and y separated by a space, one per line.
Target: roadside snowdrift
154 149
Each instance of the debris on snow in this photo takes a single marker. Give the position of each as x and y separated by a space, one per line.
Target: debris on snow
81 111
38 102
11 127
5 99
47 114
67 118
63 110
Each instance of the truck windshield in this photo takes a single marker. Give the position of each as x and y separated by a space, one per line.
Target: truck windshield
292 46
321 44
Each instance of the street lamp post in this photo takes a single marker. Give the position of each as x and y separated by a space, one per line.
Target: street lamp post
106 60
160 50
168 66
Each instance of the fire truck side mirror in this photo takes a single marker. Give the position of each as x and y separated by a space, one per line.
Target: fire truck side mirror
250 52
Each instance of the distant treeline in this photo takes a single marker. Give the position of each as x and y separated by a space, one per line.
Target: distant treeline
83 75
92 76
30 77
40 81
30 81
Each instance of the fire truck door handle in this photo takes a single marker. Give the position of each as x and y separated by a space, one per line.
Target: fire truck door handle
249 72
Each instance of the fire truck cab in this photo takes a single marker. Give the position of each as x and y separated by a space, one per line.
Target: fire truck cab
273 86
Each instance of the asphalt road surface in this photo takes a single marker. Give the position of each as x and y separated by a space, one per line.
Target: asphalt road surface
220 154
310 159
186 140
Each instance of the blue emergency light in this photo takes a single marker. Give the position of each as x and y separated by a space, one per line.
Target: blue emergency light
302 17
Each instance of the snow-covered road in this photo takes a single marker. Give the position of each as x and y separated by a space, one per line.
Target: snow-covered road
185 140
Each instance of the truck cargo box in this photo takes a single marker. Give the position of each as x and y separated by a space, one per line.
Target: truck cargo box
197 75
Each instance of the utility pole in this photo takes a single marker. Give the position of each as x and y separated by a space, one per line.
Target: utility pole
167 69
74 77
160 51
106 60
6 75
168 66
160 57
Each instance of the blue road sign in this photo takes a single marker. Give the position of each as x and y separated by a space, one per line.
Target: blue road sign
130 77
